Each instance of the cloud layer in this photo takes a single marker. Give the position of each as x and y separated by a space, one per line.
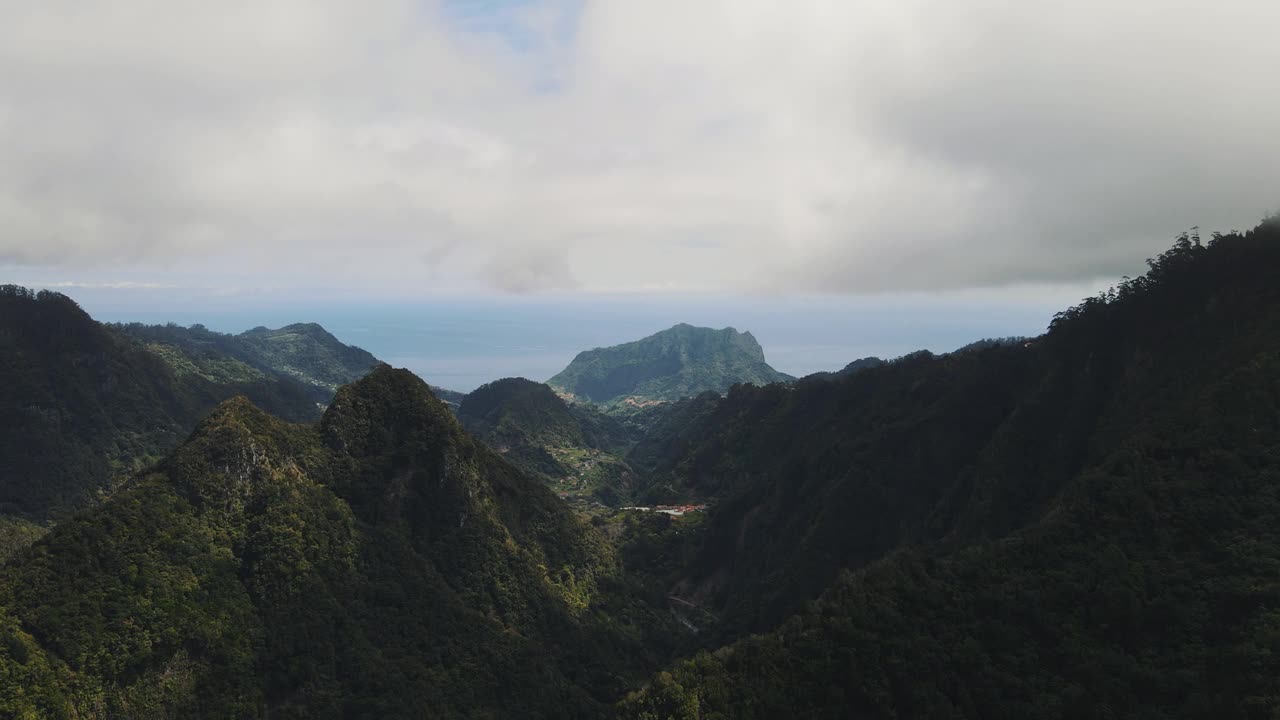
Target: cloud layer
842 146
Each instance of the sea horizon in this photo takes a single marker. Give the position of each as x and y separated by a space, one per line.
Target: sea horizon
461 344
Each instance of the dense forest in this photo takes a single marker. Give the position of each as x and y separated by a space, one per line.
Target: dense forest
81 403
378 564
576 448
304 352
1081 524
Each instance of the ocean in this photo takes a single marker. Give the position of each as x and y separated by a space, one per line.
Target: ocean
463 343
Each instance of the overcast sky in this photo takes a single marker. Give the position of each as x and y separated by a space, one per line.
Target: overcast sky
399 148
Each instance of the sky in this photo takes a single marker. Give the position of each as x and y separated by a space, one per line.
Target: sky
159 152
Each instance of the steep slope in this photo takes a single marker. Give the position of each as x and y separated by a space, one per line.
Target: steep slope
80 404
577 449
682 361
452 398
1083 527
304 352
381 564
985 343
666 440
856 366
309 353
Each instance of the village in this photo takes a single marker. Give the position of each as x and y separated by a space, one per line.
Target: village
668 509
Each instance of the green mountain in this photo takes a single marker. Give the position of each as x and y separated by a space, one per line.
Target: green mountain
676 363
867 363
309 353
81 403
452 398
985 343
1085 525
379 564
304 352
575 448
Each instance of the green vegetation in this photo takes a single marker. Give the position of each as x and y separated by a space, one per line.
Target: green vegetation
985 343
309 353
452 398
516 411
80 403
576 449
1083 524
302 352
676 363
670 431
595 479
380 564
1086 527
868 363
17 534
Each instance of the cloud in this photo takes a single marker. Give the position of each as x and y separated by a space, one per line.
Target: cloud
119 285
842 146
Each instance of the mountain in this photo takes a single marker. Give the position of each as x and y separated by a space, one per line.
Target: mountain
861 364
380 563
1083 524
452 398
1086 525
985 343
667 439
309 353
81 403
680 362
575 448
304 352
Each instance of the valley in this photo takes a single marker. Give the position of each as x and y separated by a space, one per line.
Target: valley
276 524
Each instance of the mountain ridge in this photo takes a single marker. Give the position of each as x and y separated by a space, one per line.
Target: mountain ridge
304 352
1081 524
83 402
576 448
1077 525
681 361
378 563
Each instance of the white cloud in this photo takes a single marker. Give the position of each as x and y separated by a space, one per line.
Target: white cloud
120 285
631 144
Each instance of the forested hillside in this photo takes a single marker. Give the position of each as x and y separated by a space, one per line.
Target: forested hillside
679 362
1081 524
1082 527
574 447
80 403
380 564
304 352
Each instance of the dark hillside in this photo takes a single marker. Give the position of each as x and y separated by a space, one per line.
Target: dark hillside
1085 527
574 447
381 564
79 403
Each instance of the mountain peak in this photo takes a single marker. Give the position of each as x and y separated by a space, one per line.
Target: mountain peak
300 327
310 353
681 361
514 411
47 317
687 328
236 451
310 328
367 415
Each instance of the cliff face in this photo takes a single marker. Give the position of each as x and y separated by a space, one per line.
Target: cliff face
680 362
